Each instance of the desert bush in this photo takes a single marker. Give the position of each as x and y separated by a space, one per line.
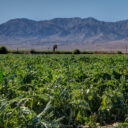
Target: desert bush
3 50
32 51
76 51
119 52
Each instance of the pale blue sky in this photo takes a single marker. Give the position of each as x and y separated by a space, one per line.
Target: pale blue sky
107 10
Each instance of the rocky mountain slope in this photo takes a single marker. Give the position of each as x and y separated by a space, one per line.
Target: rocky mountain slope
68 33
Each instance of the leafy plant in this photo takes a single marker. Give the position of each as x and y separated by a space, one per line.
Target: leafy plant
59 91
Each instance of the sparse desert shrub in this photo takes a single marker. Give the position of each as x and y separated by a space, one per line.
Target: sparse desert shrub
119 52
3 50
76 51
32 51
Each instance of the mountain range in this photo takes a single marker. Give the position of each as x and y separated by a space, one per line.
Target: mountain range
67 33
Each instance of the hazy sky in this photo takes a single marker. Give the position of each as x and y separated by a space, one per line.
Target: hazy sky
107 10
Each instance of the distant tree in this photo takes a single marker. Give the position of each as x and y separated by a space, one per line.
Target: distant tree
32 51
119 52
76 51
3 50
54 47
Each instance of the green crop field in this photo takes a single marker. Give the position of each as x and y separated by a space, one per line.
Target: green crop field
56 91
